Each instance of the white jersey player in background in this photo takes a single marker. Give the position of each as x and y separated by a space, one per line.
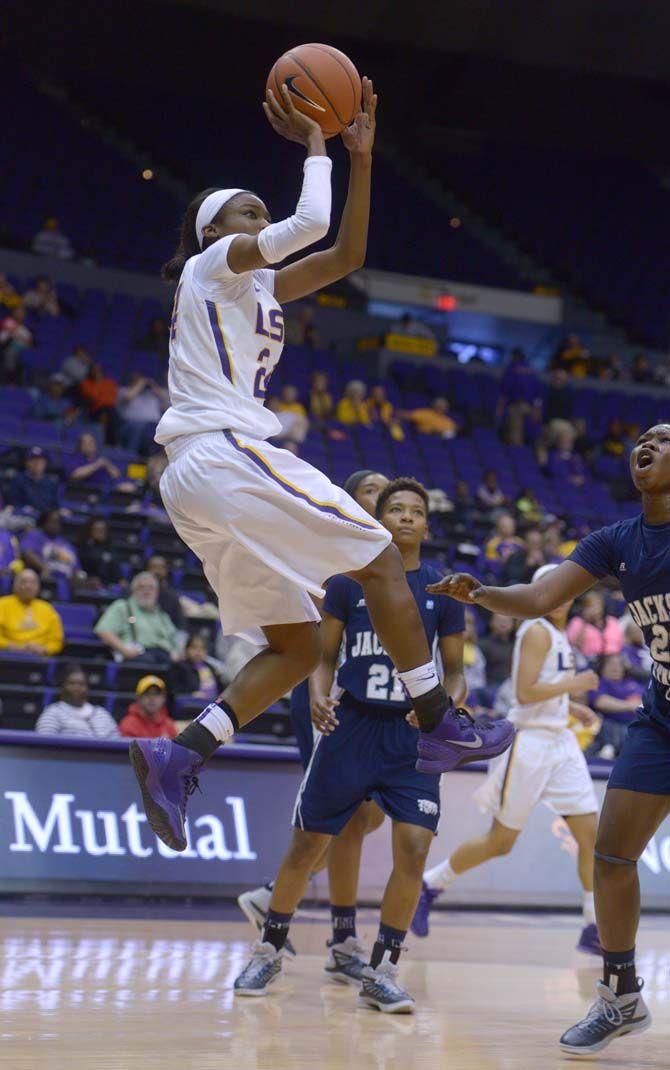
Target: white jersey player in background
545 765
268 528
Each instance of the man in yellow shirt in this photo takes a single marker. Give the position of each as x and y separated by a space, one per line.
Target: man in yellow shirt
28 624
434 420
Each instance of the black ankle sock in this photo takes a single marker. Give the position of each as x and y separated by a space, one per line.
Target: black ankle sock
619 971
431 708
275 929
388 939
344 923
198 738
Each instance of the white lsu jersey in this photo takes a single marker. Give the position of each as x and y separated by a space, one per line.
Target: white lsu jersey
226 336
559 663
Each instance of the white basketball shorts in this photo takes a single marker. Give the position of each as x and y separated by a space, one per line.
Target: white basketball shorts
268 528
542 766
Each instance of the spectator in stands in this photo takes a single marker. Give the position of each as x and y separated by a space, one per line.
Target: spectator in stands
294 426
76 367
9 298
464 504
73 714
32 491
196 674
433 419
560 397
528 507
140 406
617 700
147 716
54 405
97 556
380 411
520 565
100 392
9 553
156 338
301 329
136 628
320 399
636 657
91 468
505 542
592 631
50 241
573 357
351 409
614 443
474 662
533 424
641 370
564 465
552 546
15 338
497 648
47 551
168 597
411 327
42 299
489 494
28 624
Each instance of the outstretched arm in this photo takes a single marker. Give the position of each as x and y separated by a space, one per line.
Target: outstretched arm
524 600
348 253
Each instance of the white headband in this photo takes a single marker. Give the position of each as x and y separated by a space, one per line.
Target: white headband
210 208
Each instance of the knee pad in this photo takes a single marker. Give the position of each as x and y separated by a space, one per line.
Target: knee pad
614 859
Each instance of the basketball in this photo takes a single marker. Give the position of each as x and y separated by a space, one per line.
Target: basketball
323 82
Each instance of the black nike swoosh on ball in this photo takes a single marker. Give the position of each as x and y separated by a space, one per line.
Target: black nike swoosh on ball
288 82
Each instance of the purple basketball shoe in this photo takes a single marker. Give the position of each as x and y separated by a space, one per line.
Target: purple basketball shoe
589 940
459 739
166 773
419 924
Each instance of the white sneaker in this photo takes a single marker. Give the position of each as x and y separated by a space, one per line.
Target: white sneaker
380 990
610 1017
346 962
262 969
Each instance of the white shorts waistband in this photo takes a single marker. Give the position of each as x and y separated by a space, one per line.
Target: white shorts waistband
183 443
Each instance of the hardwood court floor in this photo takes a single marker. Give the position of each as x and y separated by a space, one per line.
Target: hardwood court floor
493 992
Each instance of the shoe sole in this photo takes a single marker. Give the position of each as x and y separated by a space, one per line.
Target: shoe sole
457 759
403 1007
156 815
623 1031
341 978
256 992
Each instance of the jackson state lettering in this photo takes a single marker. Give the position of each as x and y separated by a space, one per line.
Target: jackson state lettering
365 645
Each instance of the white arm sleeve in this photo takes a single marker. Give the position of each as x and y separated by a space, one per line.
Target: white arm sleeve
311 220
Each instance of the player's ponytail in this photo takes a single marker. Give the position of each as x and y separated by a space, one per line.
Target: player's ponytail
188 242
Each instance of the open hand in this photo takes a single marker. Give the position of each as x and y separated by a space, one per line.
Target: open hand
461 586
359 136
323 715
285 119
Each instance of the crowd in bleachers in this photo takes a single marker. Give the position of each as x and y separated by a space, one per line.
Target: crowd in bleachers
515 471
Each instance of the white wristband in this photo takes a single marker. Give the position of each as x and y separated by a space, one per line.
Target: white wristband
312 215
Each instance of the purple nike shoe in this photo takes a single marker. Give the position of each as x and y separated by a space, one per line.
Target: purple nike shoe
589 940
419 924
166 773
459 739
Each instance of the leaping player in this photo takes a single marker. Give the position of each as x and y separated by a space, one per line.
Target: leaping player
268 527
544 765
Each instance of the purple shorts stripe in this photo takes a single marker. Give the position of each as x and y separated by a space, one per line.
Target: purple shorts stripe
224 357
323 507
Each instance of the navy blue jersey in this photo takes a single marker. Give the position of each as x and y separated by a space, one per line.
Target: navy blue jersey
638 555
367 672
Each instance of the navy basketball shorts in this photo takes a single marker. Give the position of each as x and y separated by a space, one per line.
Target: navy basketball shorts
303 730
644 761
370 755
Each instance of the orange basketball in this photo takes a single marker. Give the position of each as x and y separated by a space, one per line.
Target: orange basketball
323 83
